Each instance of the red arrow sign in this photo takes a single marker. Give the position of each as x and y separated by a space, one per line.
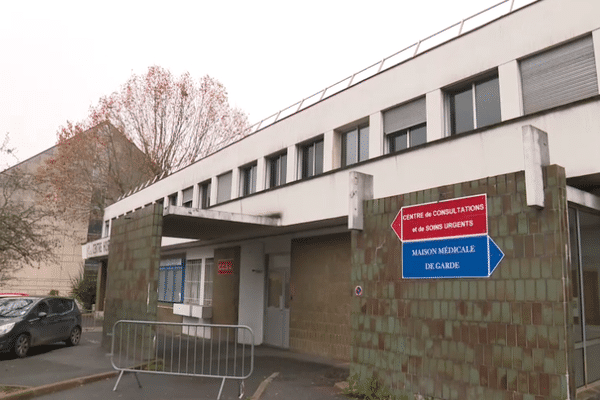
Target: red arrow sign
464 216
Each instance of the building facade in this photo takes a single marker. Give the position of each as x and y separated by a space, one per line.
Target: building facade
109 168
288 231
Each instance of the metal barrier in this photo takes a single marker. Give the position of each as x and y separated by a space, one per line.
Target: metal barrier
91 322
203 350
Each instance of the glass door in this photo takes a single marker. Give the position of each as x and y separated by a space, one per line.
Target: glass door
584 232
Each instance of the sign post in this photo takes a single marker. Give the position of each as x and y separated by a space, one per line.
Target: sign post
447 239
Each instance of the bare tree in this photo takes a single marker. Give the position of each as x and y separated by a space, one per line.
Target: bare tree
27 232
91 168
175 121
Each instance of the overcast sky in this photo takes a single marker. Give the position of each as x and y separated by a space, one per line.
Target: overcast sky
57 58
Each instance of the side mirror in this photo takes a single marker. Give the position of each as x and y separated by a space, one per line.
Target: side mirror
42 314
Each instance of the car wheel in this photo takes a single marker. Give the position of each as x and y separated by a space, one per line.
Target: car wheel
22 345
74 337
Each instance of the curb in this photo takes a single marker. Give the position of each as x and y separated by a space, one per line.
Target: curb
263 385
58 386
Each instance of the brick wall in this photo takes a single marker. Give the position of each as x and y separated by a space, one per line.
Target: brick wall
503 337
133 261
320 296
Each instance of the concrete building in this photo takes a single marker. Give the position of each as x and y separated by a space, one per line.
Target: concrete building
55 275
289 231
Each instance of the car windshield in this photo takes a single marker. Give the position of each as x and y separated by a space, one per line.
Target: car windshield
12 308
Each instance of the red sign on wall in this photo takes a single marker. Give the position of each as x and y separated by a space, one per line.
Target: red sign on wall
464 216
225 267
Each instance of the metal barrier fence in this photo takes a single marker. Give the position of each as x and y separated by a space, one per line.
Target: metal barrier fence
91 321
203 350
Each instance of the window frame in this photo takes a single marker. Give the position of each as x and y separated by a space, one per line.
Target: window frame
360 142
470 84
409 135
220 186
205 188
304 154
190 202
248 179
168 269
280 177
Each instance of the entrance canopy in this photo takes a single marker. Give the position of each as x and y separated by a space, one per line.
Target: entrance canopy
194 223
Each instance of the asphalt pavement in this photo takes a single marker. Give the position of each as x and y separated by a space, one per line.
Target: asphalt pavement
85 372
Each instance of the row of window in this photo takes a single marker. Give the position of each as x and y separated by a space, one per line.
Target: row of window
189 282
554 77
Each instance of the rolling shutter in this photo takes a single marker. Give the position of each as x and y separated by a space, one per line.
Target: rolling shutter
404 116
559 76
188 195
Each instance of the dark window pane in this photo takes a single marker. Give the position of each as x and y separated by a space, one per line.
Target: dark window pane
310 156
418 135
461 111
575 280
273 172
593 363
283 169
206 195
350 148
363 142
487 99
398 141
319 157
589 231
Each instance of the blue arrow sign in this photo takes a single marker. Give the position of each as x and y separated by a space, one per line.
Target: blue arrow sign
467 257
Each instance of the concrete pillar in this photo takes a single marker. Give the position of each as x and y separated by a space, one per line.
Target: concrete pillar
511 98
436 126
213 190
537 156
329 150
292 162
261 174
361 188
376 142
196 196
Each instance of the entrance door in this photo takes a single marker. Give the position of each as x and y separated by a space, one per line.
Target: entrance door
278 309
584 229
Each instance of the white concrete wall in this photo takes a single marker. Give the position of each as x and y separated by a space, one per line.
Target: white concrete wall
496 45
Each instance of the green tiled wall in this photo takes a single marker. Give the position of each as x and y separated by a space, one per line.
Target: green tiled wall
503 337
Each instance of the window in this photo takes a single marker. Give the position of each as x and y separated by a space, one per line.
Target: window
405 125
188 196
247 180
173 199
205 193
209 266
224 187
355 145
170 281
106 232
311 159
198 282
475 105
405 138
559 76
276 170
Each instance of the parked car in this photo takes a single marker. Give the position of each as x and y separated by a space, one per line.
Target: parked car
31 321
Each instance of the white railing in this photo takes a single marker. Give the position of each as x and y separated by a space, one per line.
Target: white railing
202 350
453 31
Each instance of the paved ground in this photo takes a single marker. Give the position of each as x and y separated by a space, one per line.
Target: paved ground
300 377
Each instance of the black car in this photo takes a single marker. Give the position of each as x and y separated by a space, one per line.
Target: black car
32 321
